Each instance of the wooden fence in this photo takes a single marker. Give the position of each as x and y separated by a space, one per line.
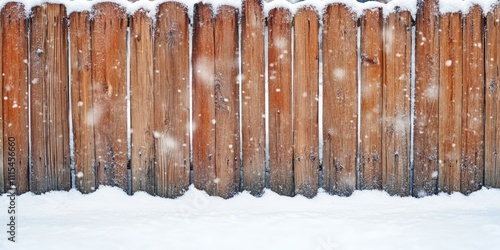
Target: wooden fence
195 89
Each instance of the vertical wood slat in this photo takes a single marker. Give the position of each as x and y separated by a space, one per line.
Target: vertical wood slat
203 99
305 98
15 89
142 156
371 49
280 101
81 102
109 82
492 109
3 188
171 100
396 134
253 96
472 164
450 103
49 99
340 100
227 143
426 98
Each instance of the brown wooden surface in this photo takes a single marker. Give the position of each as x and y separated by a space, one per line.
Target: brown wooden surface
371 50
203 100
450 103
109 90
492 108
171 101
252 96
15 88
426 98
142 156
227 158
396 133
305 102
340 100
280 101
81 102
472 164
49 99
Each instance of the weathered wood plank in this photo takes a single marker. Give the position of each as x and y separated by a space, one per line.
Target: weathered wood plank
142 156
81 102
450 103
171 101
305 102
472 163
15 92
426 98
253 94
396 133
492 112
227 158
280 101
371 99
340 100
109 90
49 99
203 99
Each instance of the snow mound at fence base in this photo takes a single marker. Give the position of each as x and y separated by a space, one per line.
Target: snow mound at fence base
110 219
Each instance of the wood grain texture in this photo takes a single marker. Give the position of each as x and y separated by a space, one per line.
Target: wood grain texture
450 103
472 162
203 99
171 101
426 98
227 158
396 112
142 156
340 100
492 95
371 51
305 102
15 89
109 90
253 96
81 102
49 80
280 101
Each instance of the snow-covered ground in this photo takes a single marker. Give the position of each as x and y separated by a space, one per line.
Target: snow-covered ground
109 219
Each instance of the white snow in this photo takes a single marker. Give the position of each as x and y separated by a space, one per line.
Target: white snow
109 219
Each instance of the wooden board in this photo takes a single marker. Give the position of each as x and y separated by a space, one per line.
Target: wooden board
426 98
340 86
142 156
253 96
450 103
472 164
171 100
2 182
49 99
371 51
109 90
15 100
305 102
492 108
396 133
280 101
227 158
204 174
81 102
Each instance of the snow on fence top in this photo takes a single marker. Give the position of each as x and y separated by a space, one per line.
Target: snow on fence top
445 6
